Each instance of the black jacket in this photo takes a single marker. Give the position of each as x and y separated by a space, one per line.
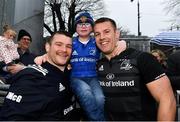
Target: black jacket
26 57
173 69
38 93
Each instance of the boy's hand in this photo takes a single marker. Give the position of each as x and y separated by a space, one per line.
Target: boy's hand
40 59
120 46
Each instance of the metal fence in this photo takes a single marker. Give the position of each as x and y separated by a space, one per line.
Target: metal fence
142 44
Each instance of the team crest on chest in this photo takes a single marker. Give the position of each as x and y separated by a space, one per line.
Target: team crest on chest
92 52
126 65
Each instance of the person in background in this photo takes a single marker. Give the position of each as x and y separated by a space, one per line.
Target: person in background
8 33
173 63
160 56
42 92
8 49
24 40
134 84
173 69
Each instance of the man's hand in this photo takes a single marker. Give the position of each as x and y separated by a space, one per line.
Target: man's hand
15 68
120 46
41 59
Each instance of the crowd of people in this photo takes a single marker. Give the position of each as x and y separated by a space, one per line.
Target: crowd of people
122 83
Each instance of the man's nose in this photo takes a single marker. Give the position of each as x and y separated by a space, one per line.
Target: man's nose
101 36
64 48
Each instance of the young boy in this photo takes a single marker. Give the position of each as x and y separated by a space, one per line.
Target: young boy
84 82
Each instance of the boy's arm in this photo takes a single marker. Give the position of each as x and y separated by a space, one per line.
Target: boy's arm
41 59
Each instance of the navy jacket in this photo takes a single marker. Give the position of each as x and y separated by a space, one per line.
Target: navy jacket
38 93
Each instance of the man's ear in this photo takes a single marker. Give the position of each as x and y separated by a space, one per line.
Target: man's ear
117 35
47 47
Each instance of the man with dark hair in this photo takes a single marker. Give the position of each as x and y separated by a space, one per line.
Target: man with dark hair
42 92
132 81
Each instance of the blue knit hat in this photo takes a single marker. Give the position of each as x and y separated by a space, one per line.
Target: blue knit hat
84 17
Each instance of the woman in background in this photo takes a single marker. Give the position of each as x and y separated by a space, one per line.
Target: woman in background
160 56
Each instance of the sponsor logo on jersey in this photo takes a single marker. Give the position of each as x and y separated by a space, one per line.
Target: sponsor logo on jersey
61 87
101 68
117 83
110 76
74 52
126 65
122 83
14 97
83 59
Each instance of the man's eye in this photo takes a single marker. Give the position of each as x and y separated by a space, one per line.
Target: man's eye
69 46
58 44
96 34
107 31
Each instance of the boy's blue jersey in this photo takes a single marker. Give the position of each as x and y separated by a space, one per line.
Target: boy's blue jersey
84 57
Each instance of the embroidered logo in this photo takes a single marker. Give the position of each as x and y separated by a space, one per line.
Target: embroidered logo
61 87
126 65
83 19
101 68
92 52
74 52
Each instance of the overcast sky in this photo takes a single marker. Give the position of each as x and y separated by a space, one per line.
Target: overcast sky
153 17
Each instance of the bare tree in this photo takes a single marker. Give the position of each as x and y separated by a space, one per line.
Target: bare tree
123 32
173 7
60 14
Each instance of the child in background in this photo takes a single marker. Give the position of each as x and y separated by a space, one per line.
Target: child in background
8 49
160 56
